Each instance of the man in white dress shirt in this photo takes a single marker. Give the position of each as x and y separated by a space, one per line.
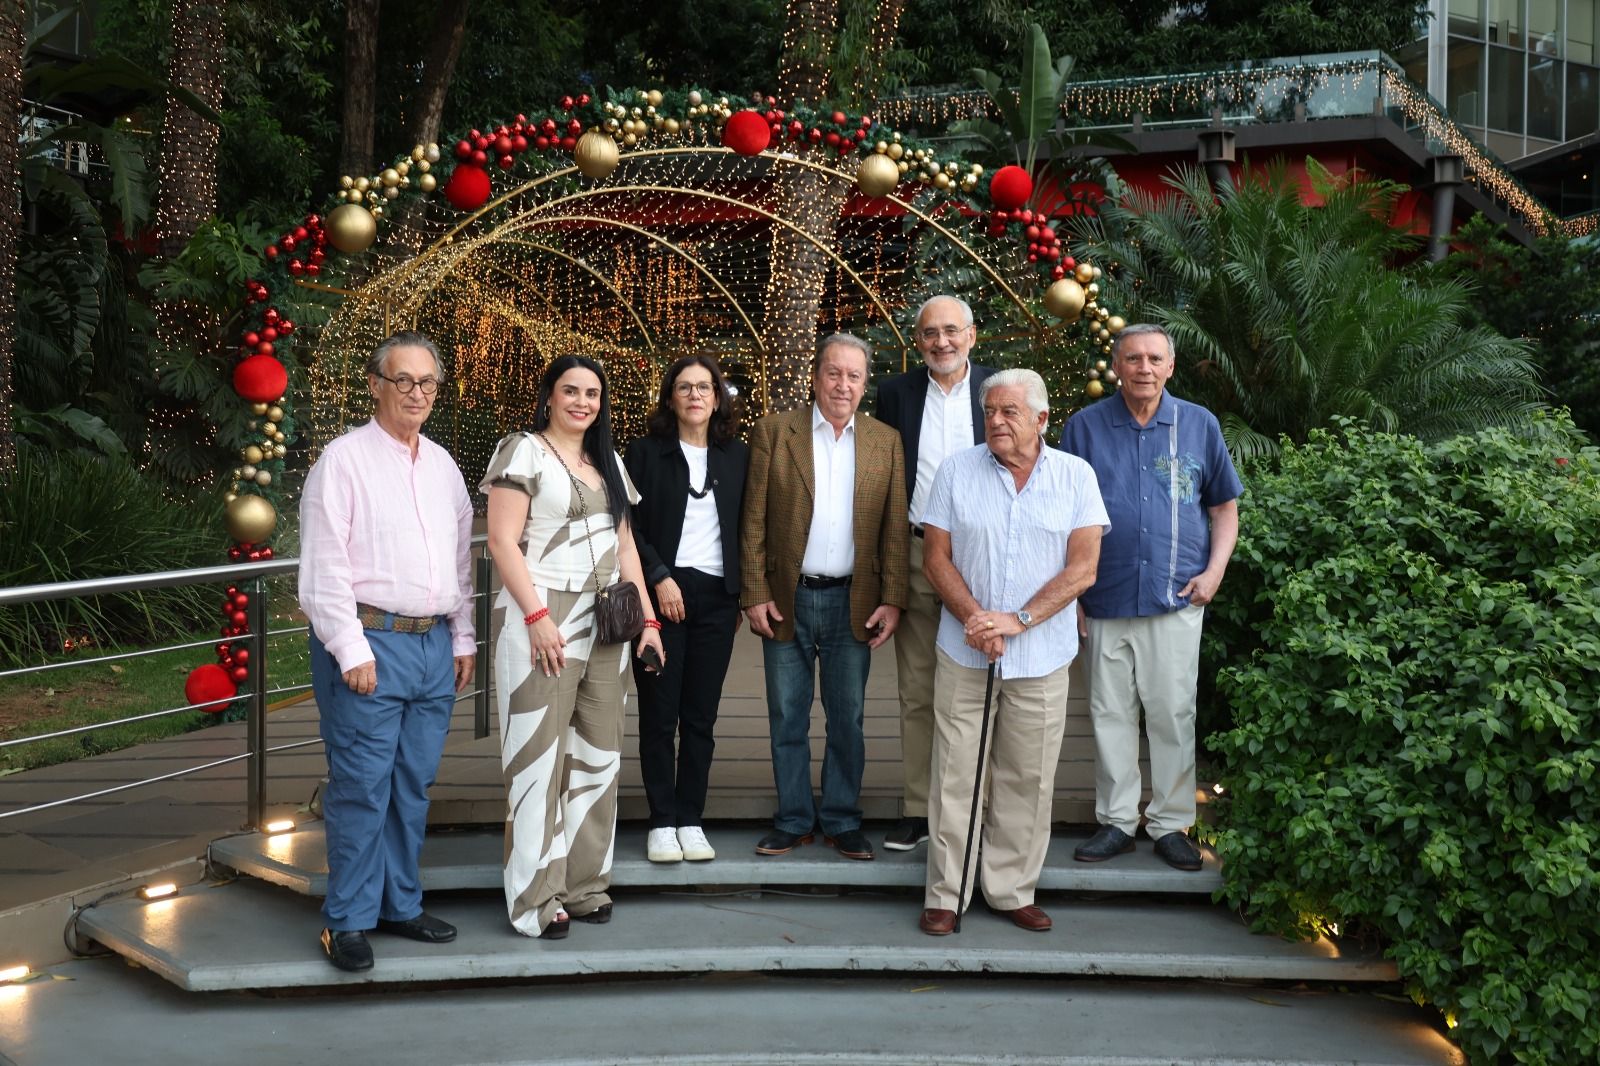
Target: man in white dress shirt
1013 536
935 408
386 580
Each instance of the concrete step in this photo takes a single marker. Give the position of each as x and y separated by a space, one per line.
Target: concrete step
471 859
248 935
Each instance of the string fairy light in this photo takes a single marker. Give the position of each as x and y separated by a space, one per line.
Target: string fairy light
12 39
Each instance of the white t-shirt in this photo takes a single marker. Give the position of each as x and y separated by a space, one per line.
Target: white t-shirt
700 546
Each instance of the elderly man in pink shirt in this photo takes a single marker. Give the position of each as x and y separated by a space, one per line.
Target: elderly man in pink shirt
385 578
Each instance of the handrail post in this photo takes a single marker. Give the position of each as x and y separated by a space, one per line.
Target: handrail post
480 695
256 765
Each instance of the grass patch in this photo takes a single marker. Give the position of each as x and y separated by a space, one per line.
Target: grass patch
92 693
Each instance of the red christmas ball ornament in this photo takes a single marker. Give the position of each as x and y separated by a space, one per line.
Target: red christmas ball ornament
1033 234
521 119
265 347
480 143
541 142
266 553
287 244
241 600
468 188
502 145
574 127
838 118
301 233
252 339
832 138
480 159
239 618
233 554
747 133
548 125
1069 262
268 334
1010 187
519 143
241 656
259 379
1057 273
815 136
240 674
271 251
270 316
285 326
569 142
463 149
583 99
567 103
505 162
211 687
296 267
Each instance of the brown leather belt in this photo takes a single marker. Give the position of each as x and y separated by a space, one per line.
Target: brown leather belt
377 618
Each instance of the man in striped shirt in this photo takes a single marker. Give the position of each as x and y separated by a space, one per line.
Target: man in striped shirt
1013 536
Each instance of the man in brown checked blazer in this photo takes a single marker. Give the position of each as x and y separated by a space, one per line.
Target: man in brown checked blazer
824 542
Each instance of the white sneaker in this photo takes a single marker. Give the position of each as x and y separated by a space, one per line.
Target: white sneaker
696 848
663 846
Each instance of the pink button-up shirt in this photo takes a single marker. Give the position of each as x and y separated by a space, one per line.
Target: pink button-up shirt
381 528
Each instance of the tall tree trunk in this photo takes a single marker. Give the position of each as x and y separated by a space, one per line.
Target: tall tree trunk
360 86
444 48
869 77
808 35
188 178
798 269
13 17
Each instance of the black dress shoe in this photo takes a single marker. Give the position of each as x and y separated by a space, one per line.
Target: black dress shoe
778 842
599 916
347 949
907 834
1106 844
1179 852
424 927
852 844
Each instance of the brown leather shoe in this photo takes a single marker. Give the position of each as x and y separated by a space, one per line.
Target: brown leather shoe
1030 918
937 922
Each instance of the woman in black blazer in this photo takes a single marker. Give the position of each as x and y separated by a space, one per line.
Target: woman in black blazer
690 471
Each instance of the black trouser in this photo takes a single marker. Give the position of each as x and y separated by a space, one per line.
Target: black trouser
681 702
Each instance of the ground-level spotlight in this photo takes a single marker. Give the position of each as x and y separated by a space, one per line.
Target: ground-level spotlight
13 973
282 825
161 891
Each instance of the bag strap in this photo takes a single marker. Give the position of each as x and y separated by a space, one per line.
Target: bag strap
583 503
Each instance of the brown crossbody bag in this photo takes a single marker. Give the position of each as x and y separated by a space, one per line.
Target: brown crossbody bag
618 611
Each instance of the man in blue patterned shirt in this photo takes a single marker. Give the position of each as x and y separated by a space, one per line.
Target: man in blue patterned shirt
1172 494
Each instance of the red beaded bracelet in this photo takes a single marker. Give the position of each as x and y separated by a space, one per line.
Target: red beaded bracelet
529 619
652 623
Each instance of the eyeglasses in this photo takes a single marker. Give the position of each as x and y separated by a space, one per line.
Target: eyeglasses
690 388
948 333
405 383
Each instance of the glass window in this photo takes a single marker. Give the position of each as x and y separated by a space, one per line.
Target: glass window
1466 17
1464 85
1581 26
1545 82
1544 27
1583 100
1503 94
1506 23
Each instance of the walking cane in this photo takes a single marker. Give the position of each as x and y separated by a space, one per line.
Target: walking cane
977 782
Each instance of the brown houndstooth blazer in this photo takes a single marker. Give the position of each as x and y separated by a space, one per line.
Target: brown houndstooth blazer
776 523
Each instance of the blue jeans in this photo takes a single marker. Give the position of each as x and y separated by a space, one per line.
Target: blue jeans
821 631
383 751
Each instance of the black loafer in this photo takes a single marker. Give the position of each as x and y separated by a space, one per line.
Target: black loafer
778 842
347 949
1106 844
599 916
424 927
907 834
852 844
1179 852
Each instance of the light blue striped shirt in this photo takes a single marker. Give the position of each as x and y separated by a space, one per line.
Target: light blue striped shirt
1007 545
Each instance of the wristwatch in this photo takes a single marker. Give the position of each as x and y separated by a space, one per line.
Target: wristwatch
1026 619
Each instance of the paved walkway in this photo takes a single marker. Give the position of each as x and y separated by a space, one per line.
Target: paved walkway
69 848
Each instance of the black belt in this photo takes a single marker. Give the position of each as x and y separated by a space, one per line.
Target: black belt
916 531
814 581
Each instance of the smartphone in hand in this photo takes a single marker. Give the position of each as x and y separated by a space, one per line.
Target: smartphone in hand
652 658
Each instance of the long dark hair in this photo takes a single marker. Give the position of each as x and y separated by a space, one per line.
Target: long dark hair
597 438
663 421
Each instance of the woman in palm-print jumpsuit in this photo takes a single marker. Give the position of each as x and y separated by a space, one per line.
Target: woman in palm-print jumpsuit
558 530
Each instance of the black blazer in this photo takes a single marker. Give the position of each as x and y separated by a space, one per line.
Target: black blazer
661 474
900 402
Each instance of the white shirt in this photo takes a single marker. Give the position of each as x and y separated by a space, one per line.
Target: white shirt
1008 543
700 545
831 544
946 429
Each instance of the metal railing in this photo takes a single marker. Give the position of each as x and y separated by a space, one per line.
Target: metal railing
254 577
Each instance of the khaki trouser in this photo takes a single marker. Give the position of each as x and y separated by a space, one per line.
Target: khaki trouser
914 641
1026 722
1151 662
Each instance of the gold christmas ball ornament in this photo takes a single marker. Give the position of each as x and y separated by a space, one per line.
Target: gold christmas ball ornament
596 155
1095 390
431 153
351 228
263 478
250 454
878 175
1084 273
670 125
246 472
1065 300
250 519
390 177
347 182
1093 290
428 182
229 497
258 409
694 98
896 151
273 413
280 450
1100 364
654 97
417 153
363 184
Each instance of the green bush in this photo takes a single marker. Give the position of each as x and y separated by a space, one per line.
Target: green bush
71 516
1414 743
